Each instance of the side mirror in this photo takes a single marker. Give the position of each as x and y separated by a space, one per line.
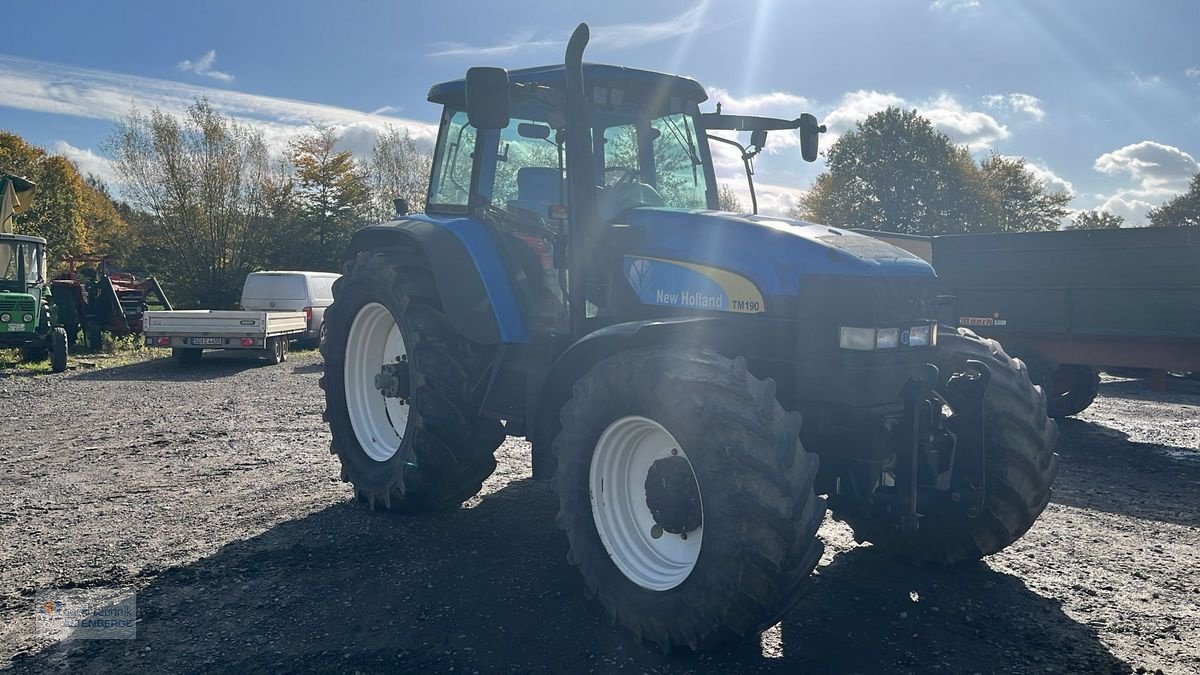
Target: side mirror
810 134
487 97
401 205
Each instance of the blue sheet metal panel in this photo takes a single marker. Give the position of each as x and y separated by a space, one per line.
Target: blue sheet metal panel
775 253
485 253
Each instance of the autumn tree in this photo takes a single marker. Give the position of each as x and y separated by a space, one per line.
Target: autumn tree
894 172
1182 210
200 181
728 200
333 198
1019 201
1096 220
74 215
398 169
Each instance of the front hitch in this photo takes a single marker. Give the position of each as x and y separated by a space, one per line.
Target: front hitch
966 392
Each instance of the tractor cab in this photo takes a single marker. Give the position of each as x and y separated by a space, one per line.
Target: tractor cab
559 176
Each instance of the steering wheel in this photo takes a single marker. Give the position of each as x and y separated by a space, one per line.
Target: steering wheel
627 175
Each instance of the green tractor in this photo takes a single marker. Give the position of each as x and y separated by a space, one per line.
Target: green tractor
27 318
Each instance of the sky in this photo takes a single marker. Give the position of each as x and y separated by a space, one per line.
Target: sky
1101 97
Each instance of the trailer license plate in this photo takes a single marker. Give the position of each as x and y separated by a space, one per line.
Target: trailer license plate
208 341
16 328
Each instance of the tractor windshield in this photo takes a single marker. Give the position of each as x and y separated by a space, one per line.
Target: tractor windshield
642 159
11 252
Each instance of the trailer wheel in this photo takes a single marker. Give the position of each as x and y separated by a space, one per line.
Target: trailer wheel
1070 389
188 357
686 496
1020 466
58 349
401 389
274 349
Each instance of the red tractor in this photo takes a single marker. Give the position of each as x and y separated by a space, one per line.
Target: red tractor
93 296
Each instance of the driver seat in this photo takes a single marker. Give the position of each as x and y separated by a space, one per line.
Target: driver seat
538 188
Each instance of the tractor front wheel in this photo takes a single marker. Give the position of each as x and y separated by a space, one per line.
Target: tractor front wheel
401 389
1019 459
58 349
686 497
92 336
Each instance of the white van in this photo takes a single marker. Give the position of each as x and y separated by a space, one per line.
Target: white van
308 292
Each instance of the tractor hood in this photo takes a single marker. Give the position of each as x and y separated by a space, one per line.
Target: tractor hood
776 254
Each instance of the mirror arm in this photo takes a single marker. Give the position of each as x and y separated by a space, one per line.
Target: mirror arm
746 156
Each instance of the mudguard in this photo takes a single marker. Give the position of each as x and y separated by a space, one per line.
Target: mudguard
472 281
730 336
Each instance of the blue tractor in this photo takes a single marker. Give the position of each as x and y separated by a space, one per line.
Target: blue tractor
572 282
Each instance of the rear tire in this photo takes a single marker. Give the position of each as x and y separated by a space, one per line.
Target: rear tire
58 349
1019 470
274 350
756 543
433 452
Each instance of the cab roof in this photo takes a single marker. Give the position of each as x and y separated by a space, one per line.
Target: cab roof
23 238
453 93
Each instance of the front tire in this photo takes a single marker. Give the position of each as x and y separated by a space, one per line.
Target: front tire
1020 466
686 496
424 448
58 349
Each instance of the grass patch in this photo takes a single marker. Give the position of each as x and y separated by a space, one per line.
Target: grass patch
115 351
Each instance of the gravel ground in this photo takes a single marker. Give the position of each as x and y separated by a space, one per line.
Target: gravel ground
211 494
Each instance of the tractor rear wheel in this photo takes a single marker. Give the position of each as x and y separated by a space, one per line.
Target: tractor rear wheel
1020 466
400 389
58 349
686 496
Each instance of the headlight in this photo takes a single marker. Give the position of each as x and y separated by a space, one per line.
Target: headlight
920 336
5 317
869 339
28 318
887 338
857 338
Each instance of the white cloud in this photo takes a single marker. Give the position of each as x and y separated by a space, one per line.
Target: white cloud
1161 171
1155 165
1052 181
976 129
614 36
774 104
1194 71
203 66
1025 104
953 5
857 106
86 161
80 92
1149 82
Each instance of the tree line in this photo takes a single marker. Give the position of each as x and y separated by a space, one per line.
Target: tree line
894 172
203 201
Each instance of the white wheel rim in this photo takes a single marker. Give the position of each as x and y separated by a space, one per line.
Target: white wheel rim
379 422
617 486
